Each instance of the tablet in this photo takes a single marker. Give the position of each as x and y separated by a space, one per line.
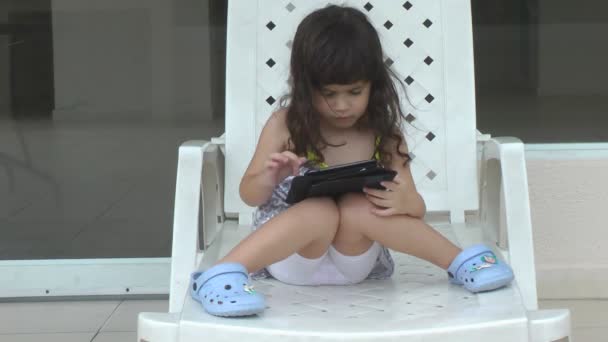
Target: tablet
339 179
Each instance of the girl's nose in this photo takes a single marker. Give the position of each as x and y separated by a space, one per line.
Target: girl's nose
341 104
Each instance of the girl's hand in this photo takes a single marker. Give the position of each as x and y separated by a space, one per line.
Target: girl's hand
396 199
280 165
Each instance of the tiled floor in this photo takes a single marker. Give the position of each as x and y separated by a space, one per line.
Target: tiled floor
116 321
589 317
82 321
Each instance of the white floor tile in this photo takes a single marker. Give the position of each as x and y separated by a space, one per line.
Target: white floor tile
116 337
54 317
60 337
590 334
586 313
125 317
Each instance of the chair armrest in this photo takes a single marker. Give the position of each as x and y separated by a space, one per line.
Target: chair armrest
505 209
199 185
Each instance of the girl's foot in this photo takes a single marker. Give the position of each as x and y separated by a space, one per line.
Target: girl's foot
225 290
478 269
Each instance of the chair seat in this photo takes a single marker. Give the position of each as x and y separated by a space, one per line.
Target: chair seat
418 299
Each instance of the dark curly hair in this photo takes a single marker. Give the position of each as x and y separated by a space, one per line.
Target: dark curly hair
338 45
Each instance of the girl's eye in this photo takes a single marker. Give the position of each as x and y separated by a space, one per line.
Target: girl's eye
356 92
328 94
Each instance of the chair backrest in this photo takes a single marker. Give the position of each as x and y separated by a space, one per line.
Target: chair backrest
428 43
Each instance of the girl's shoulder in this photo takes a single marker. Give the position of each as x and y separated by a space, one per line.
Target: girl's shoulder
280 115
276 126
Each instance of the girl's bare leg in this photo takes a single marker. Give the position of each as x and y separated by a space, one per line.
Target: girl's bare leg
359 227
307 228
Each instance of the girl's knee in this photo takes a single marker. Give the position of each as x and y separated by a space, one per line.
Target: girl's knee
322 209
354 208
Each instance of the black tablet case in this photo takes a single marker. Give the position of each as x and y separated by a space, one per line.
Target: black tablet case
339 179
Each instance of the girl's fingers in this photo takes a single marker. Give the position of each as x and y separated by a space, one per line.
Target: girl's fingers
279 158
272 164
378 201
295 168
290 155
375 193
384 212
288 158
299 162
391 186
294 160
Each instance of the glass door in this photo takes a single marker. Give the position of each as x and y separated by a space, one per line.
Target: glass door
95 99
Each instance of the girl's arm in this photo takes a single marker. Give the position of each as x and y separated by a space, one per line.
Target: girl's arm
256 186
402 196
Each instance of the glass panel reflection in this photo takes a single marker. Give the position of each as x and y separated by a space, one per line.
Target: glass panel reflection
540 69
95 98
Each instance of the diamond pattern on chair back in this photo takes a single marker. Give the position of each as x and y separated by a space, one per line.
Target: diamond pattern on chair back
414 36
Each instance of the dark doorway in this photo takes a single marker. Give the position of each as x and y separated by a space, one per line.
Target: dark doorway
27 27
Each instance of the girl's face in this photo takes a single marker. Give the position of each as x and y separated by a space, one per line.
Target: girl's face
342 105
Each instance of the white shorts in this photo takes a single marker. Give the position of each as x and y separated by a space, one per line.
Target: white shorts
333 268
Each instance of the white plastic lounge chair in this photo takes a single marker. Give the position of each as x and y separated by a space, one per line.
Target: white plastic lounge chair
429 44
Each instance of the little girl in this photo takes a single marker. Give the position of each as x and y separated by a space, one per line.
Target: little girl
342 107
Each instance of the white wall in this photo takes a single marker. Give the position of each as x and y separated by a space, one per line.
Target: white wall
568 195
130 59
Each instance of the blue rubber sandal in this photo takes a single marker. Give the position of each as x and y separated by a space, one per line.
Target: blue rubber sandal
478 269
224 290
